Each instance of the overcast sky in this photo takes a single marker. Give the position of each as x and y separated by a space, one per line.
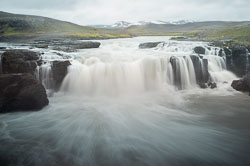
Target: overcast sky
87 12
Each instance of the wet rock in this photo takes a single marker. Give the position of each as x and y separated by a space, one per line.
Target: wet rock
21 92
242 84
64 49
199 50
203 85
212 85
149 45
86 45
19 61
227 51
201 69
41 46
59 71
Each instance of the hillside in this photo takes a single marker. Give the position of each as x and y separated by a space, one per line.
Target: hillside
151 29
12 25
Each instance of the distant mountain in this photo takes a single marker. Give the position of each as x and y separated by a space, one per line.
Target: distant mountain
124 24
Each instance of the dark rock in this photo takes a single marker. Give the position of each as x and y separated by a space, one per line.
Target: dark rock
21 92
242 84
227 51
237 60
19 61
85 45
203 85
201 69
149 45
2 48
59 71
212 85
199 50
41 46
238 50
64 49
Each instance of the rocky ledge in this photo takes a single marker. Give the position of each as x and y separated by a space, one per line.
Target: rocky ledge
242 84
21 92
19 61
149 45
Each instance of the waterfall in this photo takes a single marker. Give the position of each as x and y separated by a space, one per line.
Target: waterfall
44 75
119 67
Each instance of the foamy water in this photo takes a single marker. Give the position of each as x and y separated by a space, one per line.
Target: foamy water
118 105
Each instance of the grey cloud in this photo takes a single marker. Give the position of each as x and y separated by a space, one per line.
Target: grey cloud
108 11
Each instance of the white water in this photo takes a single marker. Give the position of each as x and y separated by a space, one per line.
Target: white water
119 67
119 106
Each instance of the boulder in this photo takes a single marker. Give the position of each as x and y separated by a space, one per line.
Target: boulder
242 84
19 61
59 71
21 92
212 85
149 45
199 50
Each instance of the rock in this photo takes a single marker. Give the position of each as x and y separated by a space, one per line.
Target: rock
21 92
227 51
149 45
199 50
242 84
200 68
64 49
238 50
203 85
85 45
19 61
237 61
59 71
212 85
41 46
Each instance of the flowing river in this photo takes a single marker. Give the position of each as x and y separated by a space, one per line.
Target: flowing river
121 105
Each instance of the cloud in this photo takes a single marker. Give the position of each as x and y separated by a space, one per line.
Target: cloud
88 12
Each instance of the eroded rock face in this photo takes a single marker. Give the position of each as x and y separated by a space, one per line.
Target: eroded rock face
21 92
242 84
74 45
237 61
149 45
59 71
19 61
199 50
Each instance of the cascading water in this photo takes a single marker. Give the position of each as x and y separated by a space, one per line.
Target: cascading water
121 105
44 74
166 66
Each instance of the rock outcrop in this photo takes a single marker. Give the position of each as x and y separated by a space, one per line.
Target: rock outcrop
242 84
199 50
201 69
73 46
19 61
59 71
21 92
149 45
